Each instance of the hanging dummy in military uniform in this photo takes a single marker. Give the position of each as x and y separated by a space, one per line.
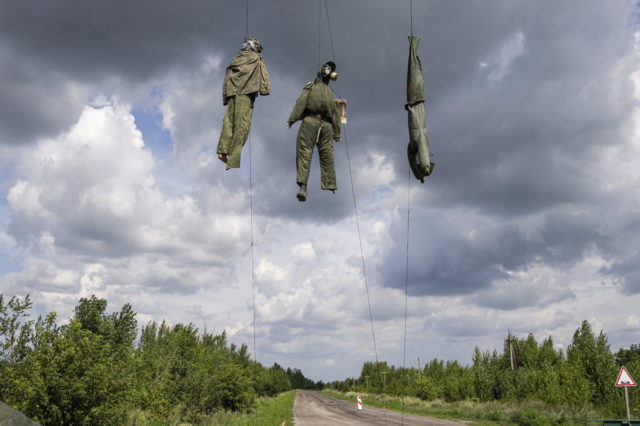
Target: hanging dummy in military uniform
317 109
245 77
418 149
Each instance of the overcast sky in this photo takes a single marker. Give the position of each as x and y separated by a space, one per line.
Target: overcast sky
110 114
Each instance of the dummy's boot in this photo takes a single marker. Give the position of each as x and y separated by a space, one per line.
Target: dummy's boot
302 194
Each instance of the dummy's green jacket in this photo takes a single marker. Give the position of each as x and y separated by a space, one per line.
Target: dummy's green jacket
246 74
317 99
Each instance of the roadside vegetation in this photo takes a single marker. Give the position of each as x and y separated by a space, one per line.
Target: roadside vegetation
103 369
490 413
269 411
525 383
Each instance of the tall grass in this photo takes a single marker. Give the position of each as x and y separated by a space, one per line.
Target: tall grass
529 413
268 412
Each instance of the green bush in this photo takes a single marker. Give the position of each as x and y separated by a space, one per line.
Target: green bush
96 370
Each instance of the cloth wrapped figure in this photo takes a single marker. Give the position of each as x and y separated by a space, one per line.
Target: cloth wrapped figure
316 108
245 78
418 149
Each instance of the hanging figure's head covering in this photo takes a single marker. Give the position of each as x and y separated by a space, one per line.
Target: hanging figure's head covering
252 44
328 71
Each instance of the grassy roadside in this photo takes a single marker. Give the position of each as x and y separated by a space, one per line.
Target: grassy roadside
269 412
532 413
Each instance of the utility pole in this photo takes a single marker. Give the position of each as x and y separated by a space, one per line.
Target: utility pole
367 379
511 350
419 370
384 381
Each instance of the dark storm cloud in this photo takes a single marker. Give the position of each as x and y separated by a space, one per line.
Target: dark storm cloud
450 258
521 146
463 326
32 102
511 135
45 43
627 269
89 40
518 295
513 146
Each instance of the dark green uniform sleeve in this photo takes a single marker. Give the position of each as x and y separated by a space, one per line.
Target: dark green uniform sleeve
264 79
301 104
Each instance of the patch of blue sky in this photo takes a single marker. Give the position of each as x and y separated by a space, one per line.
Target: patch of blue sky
169 175
7 174
10 259
156 138
634 19
381 192
378 194
8 263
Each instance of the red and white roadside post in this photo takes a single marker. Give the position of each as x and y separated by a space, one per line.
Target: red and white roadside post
359 403
625 381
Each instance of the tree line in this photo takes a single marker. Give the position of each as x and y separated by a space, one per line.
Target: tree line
524 369
100 366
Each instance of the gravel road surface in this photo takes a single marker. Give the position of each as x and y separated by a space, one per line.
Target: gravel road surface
314 409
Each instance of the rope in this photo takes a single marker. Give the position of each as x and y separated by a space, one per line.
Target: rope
406 274
406 297
253 274
364 270
355 206
319 30
411 15
246 26
333 53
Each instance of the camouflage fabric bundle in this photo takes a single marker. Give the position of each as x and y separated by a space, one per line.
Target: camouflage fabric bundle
418 149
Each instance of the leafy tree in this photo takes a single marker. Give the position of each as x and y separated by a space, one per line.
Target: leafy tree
273 381
14 334
299 381
95 370
590 354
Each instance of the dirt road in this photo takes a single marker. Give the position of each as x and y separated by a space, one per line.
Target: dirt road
314 409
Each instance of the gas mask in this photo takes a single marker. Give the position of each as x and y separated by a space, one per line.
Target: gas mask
328 71
252 44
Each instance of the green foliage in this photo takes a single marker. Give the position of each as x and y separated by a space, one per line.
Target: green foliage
502 413
299 381
630 359
76 374
96 370
273 381
526 370
268 412
592 357
14 334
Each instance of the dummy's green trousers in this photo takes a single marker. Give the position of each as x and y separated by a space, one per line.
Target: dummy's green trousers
314 131
235 128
